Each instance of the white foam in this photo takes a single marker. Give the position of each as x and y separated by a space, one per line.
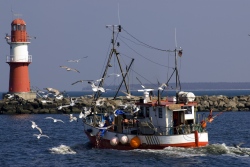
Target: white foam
62 149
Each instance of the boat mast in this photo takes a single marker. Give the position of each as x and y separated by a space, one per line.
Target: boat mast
113 51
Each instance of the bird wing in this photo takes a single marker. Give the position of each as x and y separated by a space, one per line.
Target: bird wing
40 130
45 136
77 82
60 120
64 67
49 118
75 70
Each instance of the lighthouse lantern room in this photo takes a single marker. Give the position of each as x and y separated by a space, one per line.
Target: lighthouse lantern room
19 59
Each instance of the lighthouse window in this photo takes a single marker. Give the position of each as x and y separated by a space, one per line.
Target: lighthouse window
160 112
18 27
14 27
22 27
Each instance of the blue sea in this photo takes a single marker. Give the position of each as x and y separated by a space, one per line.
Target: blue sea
68 146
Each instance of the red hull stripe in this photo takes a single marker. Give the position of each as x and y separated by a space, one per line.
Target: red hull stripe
105 144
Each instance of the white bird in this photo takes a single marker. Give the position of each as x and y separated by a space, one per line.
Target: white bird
115 74
163 85
128 95
34 125
72 118
76 61
59 97
52 90
96 88
81 115
70 69
40 135
86 112
105 127
60 107
55 120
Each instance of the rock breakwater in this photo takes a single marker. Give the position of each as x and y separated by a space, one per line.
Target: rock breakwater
50 106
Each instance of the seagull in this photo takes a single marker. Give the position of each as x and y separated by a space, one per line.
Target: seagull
60 107
96 88
34 125
162 86
55 120
40 135
81 115
52 90
86 112
128 95
72 118
76 61
77 82
70 69
105 127
117 75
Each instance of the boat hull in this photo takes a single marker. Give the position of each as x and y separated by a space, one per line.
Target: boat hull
146 141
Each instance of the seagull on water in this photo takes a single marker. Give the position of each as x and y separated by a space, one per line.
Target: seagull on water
76 61
55 120
40 135
70 69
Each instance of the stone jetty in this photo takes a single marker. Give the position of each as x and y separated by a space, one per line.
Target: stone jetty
50 106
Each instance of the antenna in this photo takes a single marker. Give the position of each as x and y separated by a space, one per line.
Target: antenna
119 14
175 38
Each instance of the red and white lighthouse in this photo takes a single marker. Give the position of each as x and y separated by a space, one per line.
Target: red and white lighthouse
19 58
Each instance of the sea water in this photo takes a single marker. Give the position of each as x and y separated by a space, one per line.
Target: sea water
68 146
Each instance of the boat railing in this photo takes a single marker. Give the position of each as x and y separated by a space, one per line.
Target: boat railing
181 129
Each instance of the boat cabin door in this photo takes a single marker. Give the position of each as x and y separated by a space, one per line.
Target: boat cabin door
178 117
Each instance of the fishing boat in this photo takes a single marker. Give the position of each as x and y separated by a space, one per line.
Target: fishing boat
148 123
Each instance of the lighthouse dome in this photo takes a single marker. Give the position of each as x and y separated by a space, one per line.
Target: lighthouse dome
18 21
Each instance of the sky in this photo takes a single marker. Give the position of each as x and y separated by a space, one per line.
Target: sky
212 33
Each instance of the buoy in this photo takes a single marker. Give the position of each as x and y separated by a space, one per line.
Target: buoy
135 142
114 141
124 139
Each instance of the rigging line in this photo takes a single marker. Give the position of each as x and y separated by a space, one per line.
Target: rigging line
143 56
144 77
107 54
133 41
144 43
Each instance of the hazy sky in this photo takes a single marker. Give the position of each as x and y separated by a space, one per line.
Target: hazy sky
212 33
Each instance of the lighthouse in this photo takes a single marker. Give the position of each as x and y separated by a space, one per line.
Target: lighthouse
19 60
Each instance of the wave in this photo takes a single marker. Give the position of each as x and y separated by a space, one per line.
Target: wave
62 149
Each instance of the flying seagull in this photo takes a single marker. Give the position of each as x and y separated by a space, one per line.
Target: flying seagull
34 125
40 135
76 61
70 69
55 120
96 88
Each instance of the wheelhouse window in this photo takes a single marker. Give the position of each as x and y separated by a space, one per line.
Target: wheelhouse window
160 112
188 109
